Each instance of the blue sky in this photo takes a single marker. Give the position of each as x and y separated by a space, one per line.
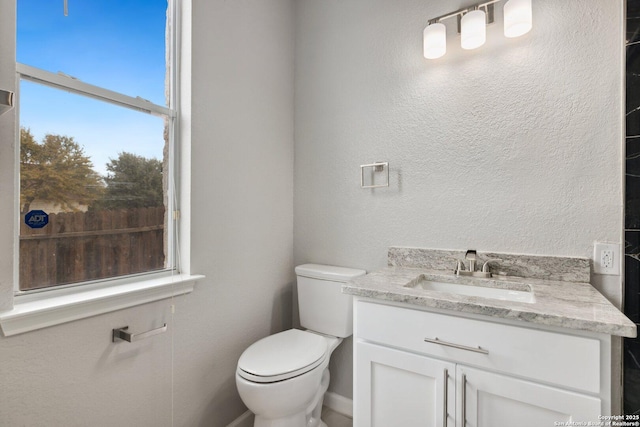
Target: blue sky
116 44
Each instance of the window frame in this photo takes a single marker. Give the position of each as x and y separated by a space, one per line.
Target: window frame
39 308
67 83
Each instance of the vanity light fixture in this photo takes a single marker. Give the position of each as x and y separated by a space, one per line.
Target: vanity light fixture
517 18
473 29
435 40
472 23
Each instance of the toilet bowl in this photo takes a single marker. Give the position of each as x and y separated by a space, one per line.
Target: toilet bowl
282 378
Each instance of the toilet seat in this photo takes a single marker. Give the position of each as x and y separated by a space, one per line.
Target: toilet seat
282 356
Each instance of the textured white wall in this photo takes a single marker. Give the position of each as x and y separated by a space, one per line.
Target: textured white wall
242 237
514 147
73 375
242 197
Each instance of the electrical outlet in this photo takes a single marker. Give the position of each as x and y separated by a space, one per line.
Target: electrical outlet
606 258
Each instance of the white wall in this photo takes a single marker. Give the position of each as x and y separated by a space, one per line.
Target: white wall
515 147
242 197
242 234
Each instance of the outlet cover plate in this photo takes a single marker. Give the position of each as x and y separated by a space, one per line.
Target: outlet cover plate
606 258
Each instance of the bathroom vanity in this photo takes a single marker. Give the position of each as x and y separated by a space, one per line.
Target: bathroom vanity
435 349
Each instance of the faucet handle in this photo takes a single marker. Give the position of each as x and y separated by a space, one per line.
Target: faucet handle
459 266
485 266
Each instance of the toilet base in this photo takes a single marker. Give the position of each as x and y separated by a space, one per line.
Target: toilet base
296 420
289 422
307 418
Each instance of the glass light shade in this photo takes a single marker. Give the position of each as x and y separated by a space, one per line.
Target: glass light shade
517 18
473 29
435 40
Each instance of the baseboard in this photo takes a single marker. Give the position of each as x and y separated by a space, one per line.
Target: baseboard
244 420
339 404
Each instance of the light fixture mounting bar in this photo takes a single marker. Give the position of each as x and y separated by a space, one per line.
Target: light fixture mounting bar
488 6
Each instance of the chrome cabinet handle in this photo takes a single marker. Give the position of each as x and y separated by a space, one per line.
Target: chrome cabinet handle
122 334
435 340
446 398
464 400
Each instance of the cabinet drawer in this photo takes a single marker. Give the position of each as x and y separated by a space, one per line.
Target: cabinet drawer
556 358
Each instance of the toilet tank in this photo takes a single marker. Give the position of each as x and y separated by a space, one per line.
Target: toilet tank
323 306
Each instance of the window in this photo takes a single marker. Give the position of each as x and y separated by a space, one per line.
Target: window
91 119
96 134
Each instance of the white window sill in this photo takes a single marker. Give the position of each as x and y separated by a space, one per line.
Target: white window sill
29 314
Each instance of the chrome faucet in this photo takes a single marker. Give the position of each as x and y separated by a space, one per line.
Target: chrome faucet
485 266
471 256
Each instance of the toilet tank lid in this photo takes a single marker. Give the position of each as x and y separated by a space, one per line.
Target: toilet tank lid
328 272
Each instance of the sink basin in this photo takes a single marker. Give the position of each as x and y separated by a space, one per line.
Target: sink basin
492 289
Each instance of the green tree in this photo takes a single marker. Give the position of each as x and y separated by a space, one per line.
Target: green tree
56 171
132 182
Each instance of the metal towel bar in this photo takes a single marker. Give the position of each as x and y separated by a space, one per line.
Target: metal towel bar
122 334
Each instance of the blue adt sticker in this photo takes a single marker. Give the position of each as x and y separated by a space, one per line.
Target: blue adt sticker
36 218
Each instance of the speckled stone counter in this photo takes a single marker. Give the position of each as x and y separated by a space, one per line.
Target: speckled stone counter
560 303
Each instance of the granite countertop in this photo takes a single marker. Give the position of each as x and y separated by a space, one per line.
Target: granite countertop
566 304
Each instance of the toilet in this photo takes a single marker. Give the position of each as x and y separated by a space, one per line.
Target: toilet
282 378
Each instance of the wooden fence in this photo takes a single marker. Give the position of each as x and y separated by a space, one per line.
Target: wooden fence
80 246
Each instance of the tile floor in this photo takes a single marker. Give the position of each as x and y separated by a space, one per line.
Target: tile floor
331 418
334 419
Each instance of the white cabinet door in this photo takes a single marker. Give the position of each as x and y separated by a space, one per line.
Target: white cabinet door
493 400
397 388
